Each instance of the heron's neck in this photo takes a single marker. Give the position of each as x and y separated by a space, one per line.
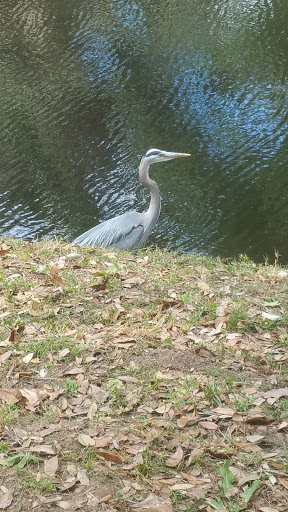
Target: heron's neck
155 202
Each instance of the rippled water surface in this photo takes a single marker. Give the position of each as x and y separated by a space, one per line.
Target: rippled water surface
87 87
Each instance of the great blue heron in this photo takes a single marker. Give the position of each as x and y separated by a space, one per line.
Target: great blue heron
130 230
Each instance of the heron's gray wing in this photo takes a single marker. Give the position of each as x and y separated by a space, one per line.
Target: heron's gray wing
132 239
122 232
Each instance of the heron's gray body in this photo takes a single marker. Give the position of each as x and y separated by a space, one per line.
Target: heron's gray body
126 231
131 230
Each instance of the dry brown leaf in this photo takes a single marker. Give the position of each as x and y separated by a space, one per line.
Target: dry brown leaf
43 448
92 411
54 394
26 359
6 499
6 342
82 477
106 498
204 352
25 374
222 320
4 249
220 451
153 503
51 465
98 394
268 509
115 444
129 467
49 430
14 335
110 455
63 353
65 505
72 469
234 336
197 452
208 425
10 396
58 265
152 434
101 442
192 479
270 316
252 448
45 500
284 482
181 487
32 397
204 287
187 421
124 344
283 426
133 280
85 440
272 479
276 393
165 304
56 279
69 332
5 355
277 465
254 438
101 285
248 478
227 411
270 455
175 459
164 408
74 371
68 486
259 420
237 417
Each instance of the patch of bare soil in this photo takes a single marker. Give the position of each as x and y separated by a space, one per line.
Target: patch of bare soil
162 358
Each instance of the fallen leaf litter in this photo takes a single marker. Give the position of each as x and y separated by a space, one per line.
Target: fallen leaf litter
138 382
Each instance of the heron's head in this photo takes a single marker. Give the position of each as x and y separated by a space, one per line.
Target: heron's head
156 155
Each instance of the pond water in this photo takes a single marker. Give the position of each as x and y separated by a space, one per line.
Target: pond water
87 87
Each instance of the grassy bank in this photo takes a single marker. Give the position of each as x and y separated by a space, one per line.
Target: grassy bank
155 378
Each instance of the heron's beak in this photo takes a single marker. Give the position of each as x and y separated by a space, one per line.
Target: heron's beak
177 155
